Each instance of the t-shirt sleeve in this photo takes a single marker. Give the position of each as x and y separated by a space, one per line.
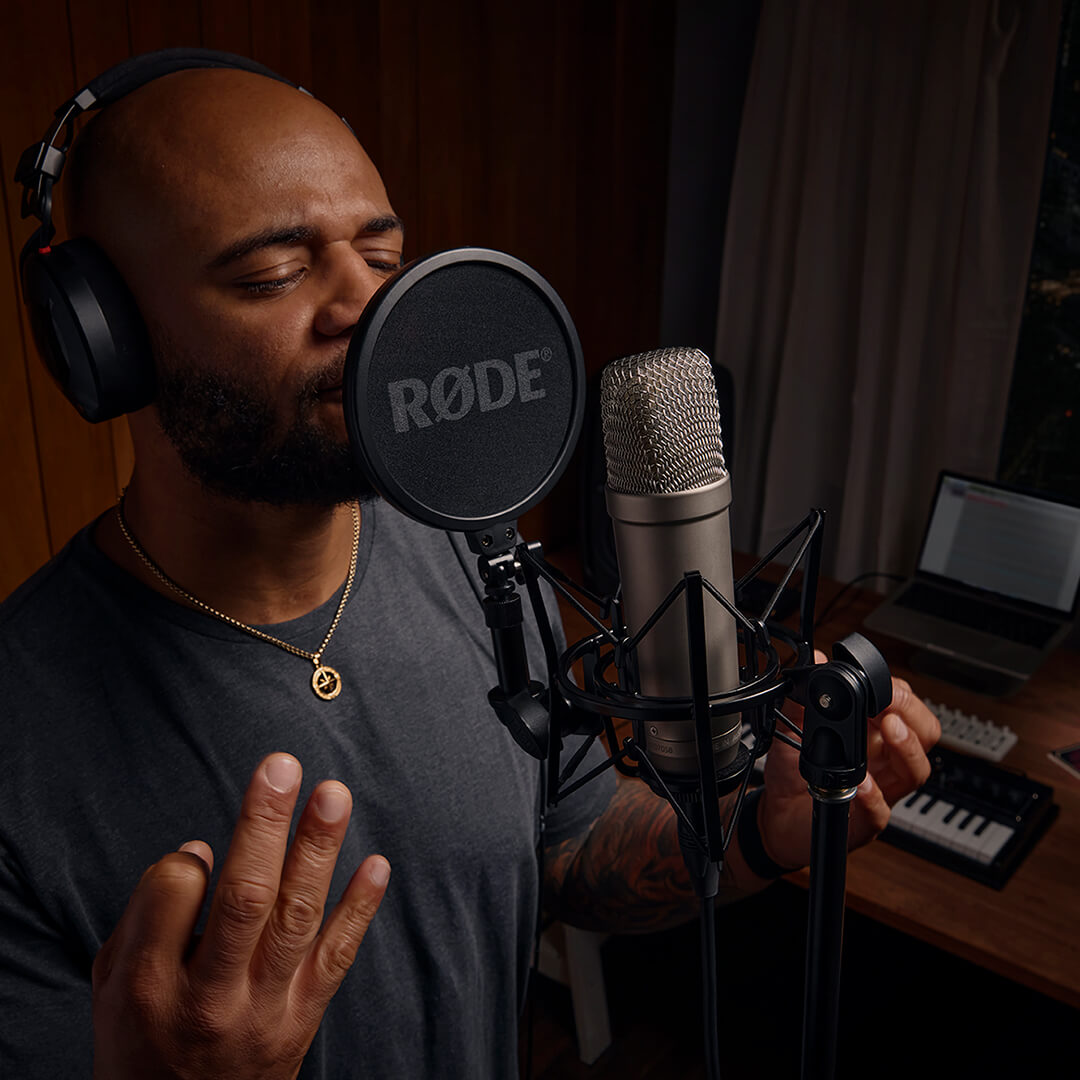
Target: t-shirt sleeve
45 995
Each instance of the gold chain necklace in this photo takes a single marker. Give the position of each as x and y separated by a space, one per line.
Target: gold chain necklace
326 682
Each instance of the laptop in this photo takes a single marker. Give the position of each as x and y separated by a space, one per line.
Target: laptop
995 588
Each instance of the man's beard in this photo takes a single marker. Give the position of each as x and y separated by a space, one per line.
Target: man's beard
228 437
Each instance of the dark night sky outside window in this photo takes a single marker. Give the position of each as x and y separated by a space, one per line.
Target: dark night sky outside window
1041 443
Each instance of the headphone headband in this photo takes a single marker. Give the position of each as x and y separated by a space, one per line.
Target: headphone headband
41 163
136 71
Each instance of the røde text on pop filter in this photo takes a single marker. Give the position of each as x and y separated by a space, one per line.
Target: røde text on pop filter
464 389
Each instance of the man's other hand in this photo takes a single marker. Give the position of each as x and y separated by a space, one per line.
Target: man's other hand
246 999
897 764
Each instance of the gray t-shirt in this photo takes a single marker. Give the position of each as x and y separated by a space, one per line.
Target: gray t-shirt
130 724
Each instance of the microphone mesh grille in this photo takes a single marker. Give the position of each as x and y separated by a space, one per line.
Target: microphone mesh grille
661 422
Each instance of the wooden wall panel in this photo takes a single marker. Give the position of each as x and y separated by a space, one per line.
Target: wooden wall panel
100 37
226 26
369 79
160 26
622 135
397 98
24 534
539 127
281 39
76 459
449 122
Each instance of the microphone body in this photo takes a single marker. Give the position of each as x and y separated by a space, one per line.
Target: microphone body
668 495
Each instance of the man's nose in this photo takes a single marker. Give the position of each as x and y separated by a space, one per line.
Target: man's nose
350 284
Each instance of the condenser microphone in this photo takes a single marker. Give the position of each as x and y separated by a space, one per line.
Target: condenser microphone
668 493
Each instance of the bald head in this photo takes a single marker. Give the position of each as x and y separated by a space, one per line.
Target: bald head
146 168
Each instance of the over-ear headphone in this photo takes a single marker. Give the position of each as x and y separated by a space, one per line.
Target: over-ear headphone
84 319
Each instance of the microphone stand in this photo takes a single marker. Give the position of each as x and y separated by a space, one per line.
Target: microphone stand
825 932
837 698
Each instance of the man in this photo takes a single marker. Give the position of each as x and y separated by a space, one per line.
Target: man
165 654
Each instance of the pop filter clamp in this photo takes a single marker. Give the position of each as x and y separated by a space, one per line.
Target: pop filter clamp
453 358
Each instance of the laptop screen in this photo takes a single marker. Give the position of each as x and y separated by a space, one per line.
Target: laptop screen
1022 546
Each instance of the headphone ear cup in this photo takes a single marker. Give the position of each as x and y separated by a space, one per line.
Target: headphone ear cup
88 329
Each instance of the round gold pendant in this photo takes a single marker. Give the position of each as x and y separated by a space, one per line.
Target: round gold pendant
326 682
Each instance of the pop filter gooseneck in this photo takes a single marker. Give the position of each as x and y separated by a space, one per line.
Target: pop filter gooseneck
464 392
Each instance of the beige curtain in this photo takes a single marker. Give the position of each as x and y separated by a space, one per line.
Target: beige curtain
876 256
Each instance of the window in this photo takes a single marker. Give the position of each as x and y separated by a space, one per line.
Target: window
1041 444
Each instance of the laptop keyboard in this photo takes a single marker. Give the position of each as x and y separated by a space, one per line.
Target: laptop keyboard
977 614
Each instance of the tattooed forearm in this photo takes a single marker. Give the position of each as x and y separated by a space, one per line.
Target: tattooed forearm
627 875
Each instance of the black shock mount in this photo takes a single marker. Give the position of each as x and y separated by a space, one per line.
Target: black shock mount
837 698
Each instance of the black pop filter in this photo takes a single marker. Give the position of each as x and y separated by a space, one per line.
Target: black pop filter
464 389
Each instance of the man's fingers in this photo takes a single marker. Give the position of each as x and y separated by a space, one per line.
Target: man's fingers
899 701
160 917
248 886
908 705
870 813
908 766
309 867
203 850
915 714
335 948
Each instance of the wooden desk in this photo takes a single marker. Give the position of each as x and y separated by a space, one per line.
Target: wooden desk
1030 930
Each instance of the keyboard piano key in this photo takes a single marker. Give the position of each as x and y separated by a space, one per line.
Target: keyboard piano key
994 839
904 813
933 827
967 841
972 816
962 839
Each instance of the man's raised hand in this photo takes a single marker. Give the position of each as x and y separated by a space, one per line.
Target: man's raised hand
248 997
